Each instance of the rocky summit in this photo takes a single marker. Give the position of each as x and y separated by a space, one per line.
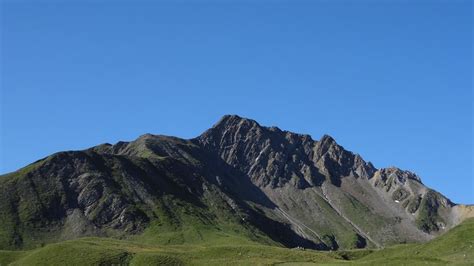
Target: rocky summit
261 183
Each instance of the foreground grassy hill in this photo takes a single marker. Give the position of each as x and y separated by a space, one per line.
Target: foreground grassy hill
454 247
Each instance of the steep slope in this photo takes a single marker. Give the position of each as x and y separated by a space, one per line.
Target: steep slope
327 193
238 178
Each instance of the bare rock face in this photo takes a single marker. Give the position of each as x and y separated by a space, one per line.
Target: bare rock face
274 185
283 164
432 210
271 157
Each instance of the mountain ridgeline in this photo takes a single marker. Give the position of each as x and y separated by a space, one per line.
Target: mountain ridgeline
238 178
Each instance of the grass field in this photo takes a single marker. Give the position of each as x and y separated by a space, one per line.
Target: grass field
455 247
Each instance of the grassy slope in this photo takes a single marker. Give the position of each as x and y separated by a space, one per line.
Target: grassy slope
94 251
455 247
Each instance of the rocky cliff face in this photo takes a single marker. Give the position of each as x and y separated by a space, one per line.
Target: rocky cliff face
269 185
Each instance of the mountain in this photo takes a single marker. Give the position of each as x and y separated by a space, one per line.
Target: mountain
238 180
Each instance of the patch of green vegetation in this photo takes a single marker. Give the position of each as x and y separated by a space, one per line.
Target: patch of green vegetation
145 153
339 231
8 231
428 218
77 252
14 176
361 215
7 256
179 222
150 258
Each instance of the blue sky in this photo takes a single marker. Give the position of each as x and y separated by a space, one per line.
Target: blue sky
390 80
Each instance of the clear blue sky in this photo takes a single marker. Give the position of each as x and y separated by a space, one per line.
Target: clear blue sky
390 80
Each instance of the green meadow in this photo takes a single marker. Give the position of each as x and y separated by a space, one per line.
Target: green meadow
453 248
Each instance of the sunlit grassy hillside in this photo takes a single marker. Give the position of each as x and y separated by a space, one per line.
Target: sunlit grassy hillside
455 247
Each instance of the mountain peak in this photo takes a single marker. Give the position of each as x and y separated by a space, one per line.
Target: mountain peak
228 120
327 139
325 143
401 175
230 129
230 125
